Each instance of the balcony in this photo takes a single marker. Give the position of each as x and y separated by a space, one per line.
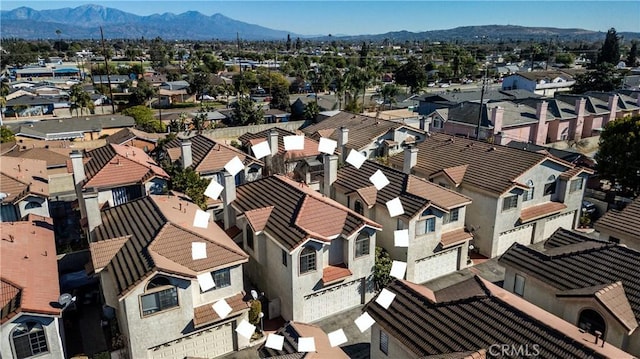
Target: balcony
335 273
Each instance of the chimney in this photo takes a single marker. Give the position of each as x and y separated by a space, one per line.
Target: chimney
78 166
92 207
497 114
423 123
579 121
410 158
330 173
273 141
541 128
613 108
343 138
185 150
228 196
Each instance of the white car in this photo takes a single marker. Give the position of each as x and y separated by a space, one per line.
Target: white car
444 85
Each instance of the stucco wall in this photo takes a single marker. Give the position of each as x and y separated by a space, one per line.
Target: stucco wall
51 327
395 349
40 211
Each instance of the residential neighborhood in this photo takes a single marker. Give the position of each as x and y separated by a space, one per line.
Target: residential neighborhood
369 193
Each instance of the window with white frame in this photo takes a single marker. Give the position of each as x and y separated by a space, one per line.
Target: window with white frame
363 244
528 195
438 123
162 296
426 225
452 216
509 202
384 342
307 260
29 339
575 185
518 285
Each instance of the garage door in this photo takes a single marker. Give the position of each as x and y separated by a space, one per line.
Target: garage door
564 220
435 266
522 235
333 300
208 343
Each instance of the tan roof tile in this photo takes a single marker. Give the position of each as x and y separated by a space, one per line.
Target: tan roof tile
291 332
8 292
25 170
622 223
318 217
52 158
615 299
103 251
258 217
457 236
205 314
440 196
13 188
541 210
368 194
456 174
332 273
28 261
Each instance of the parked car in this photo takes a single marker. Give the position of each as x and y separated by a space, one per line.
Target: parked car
589 209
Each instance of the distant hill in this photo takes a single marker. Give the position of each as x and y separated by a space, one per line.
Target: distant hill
83 22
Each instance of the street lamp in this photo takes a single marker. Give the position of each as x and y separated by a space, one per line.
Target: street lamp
261 315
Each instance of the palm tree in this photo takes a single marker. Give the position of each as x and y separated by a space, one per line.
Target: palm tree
80 99
389 92
311 111
59 33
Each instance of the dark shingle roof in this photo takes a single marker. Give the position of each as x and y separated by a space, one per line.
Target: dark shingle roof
625 222
563 237
471 320
581 265
490 167
56 129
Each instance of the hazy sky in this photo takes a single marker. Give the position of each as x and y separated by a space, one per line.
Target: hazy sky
375 17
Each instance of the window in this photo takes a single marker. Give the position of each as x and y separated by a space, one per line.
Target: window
528 195
362 244
249 232
29 339
159 301
427 225
518 285
400 224
575 185
123 195
348 202
384 342
509 202
451 216
591 321
158 282
284 257
550 188
437 123
357 206
307 260
32 205
222 278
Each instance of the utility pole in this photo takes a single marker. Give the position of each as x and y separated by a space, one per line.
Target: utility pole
106 66
484 82
239 63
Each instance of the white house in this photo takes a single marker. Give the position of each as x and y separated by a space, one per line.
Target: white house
24 188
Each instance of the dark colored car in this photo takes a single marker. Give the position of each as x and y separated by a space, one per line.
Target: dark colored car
589 209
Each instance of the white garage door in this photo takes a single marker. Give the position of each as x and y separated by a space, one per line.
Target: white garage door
209 343
564 220
435 266
332 300
522 235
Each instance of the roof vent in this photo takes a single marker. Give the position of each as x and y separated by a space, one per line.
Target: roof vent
492 149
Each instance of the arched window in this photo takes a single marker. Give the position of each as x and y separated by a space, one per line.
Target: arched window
363 244
249 232
528 195
307 260
591 321
29 339
32 205
550 187
357 206
158 281
162 296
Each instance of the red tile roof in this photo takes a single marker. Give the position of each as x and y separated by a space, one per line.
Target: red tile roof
332 273
457 236
315 216
541 210
102 252
310 145
291 332
23 176
258 217
205 314
28 263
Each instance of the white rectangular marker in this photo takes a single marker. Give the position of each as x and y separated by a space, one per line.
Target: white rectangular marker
364 322
395 207
245 329
327 145
293 143
234 166
356 159
198 250
337 337
398 269
401 238
379 180
201 220
385 298
274 341
222 308
206 281
213 189
306 344
261 149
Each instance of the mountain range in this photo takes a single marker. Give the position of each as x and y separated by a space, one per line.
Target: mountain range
84 22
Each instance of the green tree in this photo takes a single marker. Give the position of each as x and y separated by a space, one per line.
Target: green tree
199 82
245 113
565 58
144 118
603 78
382 268
618 158
142 93
632 57
610 51
80 99
280 98
412 74
311 111
389 93
190 183
6 135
